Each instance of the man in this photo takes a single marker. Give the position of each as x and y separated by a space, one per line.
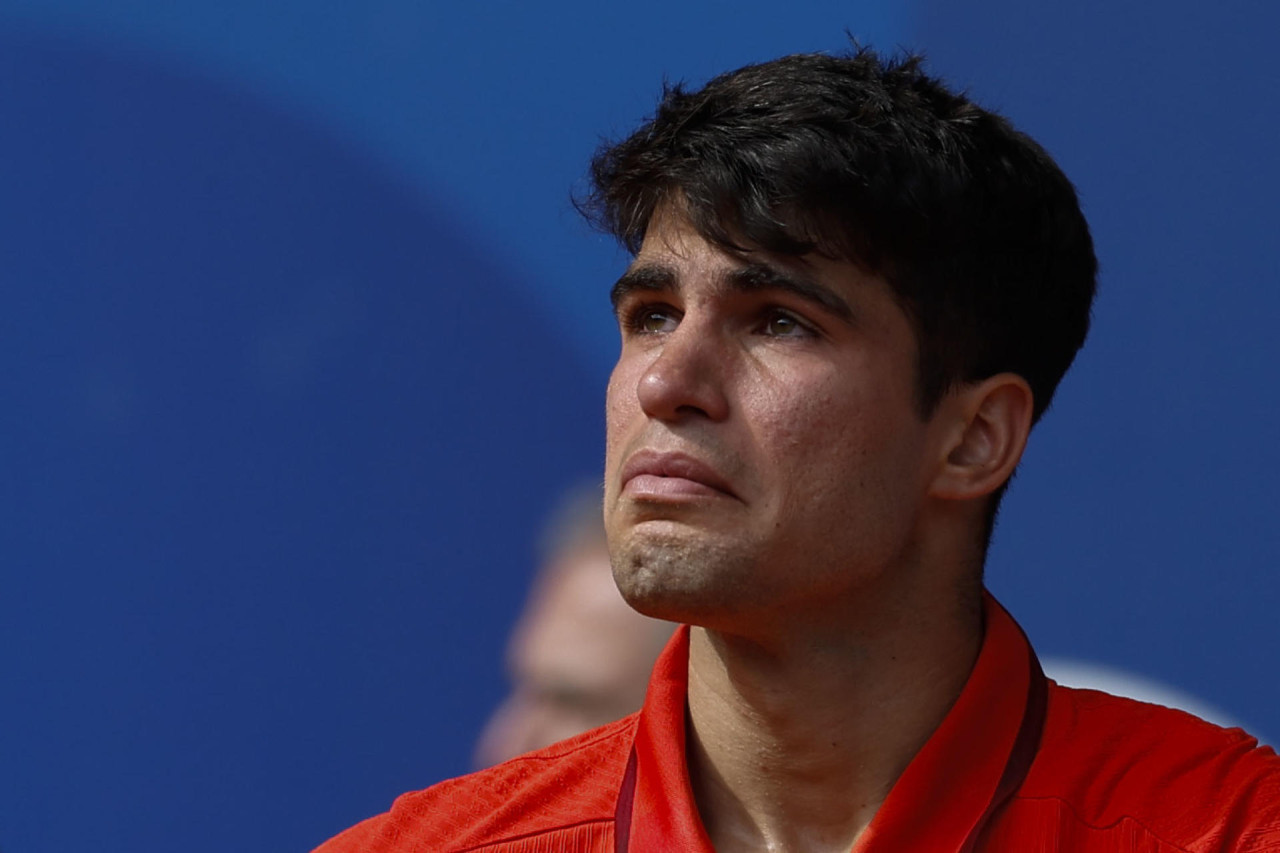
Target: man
578 657
853 293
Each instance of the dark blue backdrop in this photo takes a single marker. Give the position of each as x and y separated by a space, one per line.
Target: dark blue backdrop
301 333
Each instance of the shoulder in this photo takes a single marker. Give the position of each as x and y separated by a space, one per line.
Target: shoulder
566 785
1194 786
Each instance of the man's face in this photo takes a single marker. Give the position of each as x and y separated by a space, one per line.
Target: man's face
765 455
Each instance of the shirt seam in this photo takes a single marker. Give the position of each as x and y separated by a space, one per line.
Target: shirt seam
534 834
1101 828
620 731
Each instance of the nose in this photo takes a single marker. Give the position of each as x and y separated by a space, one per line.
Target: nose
687 377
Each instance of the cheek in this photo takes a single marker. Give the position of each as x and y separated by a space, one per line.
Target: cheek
798 435
830 447
615 403
799 418
621 410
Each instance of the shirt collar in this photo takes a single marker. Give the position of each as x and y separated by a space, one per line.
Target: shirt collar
974 760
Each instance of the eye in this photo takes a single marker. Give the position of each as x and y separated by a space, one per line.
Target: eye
652 320
657 321
780 324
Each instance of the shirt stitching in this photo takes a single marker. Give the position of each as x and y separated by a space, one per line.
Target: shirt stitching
613 732
512 838
1101 828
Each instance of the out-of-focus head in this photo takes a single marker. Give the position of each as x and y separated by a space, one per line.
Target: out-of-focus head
578 657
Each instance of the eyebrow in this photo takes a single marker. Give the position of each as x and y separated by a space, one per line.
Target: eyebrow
748 278
649 277
754 277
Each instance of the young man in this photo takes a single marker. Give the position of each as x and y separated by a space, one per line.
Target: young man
853 293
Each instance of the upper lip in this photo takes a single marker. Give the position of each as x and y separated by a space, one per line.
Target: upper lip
660 464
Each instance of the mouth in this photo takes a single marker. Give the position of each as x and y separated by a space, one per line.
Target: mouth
653 476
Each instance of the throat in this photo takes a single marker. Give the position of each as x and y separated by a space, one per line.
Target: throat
796 753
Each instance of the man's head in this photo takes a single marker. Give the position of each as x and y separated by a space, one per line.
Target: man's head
853 293
975 228
578 657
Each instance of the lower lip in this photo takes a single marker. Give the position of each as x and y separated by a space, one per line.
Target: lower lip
653 487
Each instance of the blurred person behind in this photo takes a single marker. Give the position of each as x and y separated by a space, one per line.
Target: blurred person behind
578 656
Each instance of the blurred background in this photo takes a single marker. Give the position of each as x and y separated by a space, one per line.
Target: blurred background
302 337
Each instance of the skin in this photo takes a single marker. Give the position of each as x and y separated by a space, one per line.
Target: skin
578 658
769 479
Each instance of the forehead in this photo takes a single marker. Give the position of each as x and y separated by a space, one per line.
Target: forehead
671 236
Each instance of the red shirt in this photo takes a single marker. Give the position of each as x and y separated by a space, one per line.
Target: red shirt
1018 764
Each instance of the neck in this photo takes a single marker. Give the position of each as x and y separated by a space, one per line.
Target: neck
797 738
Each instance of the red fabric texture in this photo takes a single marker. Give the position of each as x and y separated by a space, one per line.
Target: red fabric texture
1109 774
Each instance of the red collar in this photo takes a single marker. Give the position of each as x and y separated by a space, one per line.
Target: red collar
973 762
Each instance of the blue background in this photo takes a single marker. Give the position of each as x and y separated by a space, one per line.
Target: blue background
300 335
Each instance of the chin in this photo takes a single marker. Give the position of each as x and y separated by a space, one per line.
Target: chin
677 583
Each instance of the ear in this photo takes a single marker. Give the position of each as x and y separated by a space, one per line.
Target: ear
992 419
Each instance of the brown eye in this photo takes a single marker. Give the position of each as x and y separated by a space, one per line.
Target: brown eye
655 321
784 326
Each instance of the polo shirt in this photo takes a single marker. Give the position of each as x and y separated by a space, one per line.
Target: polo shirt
1018 764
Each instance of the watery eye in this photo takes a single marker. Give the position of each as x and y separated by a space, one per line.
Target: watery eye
652 322
783 325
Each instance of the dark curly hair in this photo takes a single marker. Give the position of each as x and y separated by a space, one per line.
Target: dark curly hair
972 224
